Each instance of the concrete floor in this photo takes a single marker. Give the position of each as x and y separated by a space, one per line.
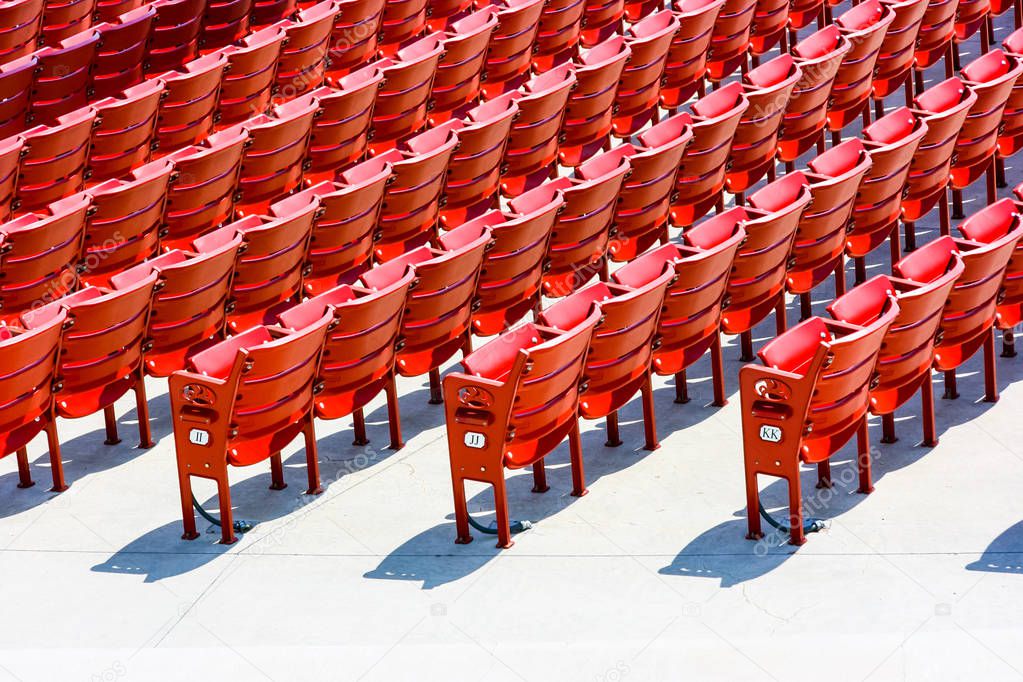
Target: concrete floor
647 578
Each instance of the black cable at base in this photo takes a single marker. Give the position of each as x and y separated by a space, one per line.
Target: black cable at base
516 526
810 526
239 526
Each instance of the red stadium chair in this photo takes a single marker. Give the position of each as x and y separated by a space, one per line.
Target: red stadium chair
10 155
510 54
691 318
621 348
65 18
474 172
269 266
731 39
201 195
102 344
644 202
578 248
109 10
344 223
436 324
275 158
124 222
241 402
22 22
756 285
513 268
343 125
533 144
16 84
935 38
865 27
358 358
303 61
39 253
61 81
601 20
266 12
1010 307
805 403
768 89
770 20
403 100
174 38
557 40
224 23
971 15
409 214
834 179
587 125
460 69
354 39
907 352
440 14
1010 133
28 367
687 56
189 302
125 131
892 142
188 106
895 61
514 402
639 87
701 177
54 161
802 13
819 57
120 54
403 22
247 86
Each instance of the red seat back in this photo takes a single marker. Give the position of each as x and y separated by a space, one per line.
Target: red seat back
22 22
174 38
354 40
865 26
120 54
640 86
56 161
936 32
990 225
731 38
16 84
588 114
189 104
402 103
28 368
302 63
125 131
460 69
895 60
225 22
251 74
342 127
61 81
510 53
557 40
687 56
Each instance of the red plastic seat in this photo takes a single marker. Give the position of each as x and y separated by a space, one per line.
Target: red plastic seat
770 20
585 226
892 142
701 176
895 60
440 14
1010 133
621 348
174 38
101 352
514 402
532 150
510 54
65 18
436 324
804 12
22 23
201 195
756 285
512 273
303 60
691 318
61 81
343 125
189 303
640 86
188 106
344 223
644 201
28 367
125 132
403 22
768 89
224 22
731 39
936 32
907 352
402 103
460 69
409 213
124 222
10 155
39 253
474 172
266 12
247 85
588 114
557 40
109 10
806 402
970 15
16 84
120 54
275 158
269 267
834 179
687 57
601 20
54 161
865 27
359 355
819 57
241 402
354 39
